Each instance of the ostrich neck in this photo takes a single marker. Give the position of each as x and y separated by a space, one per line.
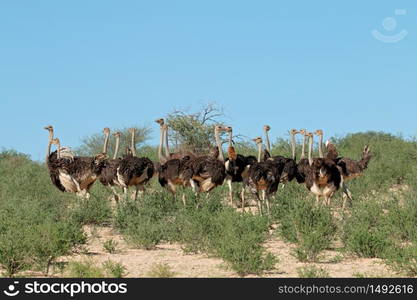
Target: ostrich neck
293 146
259 152
230 139
268 144
167 152
48 149
59 150
133 146
303 149
310 151
161 141
219 146
106 143
116 149
321 146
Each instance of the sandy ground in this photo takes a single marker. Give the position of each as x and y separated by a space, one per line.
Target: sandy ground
139 263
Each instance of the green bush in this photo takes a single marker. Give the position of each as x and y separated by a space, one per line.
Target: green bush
404 259
161 271
365 230
239 241
84 269
94 211
310 226
312 272
114 269
36 226
110 246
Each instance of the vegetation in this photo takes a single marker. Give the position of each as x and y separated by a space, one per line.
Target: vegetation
110 246
312 272
161 271
39 224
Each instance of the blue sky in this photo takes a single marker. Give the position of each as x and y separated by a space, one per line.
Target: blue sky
83 65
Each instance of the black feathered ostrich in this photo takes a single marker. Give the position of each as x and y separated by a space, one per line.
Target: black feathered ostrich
237 167
134 171
108 176
208 171
303 166
289 171
323 178
349 168
173 171
73 174
264 177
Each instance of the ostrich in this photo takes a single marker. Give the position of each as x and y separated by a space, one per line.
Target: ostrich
165 144
289 171
174 169
208 171
108 176
237 166
323 178
263 176
162 158
348 167
76 174
134 171
303 166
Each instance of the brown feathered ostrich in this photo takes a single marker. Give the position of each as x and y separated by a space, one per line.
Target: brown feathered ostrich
323 178
264 177
348 167
237 167
108 176
208 171
73 174
134 171
289 171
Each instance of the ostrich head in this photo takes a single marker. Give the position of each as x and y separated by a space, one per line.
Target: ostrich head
219 128
228 129
267 127
303 132
160 121
319 132
49 128
117 134
258 140
294 131
106 130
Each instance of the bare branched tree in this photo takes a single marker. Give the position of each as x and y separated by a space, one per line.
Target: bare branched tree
194 131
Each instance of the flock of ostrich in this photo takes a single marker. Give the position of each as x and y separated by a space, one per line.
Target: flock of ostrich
323 176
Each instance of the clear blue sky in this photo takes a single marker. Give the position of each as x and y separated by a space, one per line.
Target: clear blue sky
84 65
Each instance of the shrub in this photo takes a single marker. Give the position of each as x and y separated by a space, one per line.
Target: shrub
95 211
161 271
114 270
312 272
365 231
110 246
310 226
238 240
84 269
404 260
